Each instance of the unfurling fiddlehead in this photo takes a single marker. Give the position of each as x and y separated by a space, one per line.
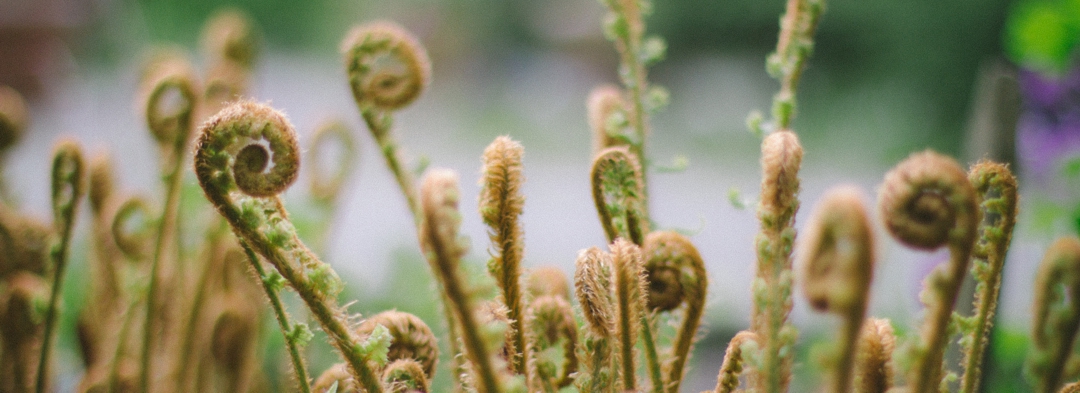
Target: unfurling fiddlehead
781 157
630 298
997 186
1056 314
130 230
838 265
388 68
411 338
873 371
549 320
12 117
230 36
405 376
593 289
326 189
501 203
439 239
618 192
232 159
171 104
68 188
608 118
547 281
676 275
728 379
927 202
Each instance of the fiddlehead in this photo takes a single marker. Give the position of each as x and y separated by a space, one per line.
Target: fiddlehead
676 275
405 376
997 186
231 163
618 192
781 158
439 239
68 189
547 281
501 204
734 361
387 66
411 339
12 117
838 265
548 320
130 229
593 289
927 202
230 36
630 298
326 189
1056 314
873 371
608 118
170 106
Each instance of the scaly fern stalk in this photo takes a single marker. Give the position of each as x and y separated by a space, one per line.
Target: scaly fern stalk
593 281
873 358
997 186
68 189
728 379
630 298
927 202
233 151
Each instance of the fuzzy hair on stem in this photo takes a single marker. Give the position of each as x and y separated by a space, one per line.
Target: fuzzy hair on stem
630 297
728 379
997 186
232 159
781 158
838 265
501 204
1056 313
873 372
438 234
927 202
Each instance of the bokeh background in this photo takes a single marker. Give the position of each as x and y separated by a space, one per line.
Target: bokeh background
886 79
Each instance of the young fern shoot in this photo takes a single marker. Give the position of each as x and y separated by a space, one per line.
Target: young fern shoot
593 281
997 186
1056 315
676 275
838 265
781 157
927 202
232 159
388 69
442 247
501 204
68 189
171 125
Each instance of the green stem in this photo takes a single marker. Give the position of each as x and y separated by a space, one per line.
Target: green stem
168 220
59 256
652 361
282 319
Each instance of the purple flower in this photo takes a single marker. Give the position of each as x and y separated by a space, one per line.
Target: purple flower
1048 132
